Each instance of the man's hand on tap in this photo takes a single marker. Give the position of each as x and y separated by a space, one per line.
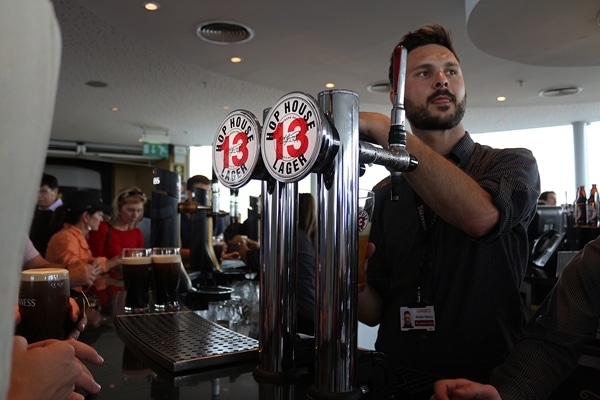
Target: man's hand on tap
376 126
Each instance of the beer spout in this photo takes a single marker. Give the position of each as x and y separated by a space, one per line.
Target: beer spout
397 134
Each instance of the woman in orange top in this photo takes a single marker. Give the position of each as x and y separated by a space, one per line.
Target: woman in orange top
80 214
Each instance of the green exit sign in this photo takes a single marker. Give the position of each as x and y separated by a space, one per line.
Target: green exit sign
155 149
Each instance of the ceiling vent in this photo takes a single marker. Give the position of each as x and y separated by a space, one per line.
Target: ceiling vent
560 91
379 87
224 32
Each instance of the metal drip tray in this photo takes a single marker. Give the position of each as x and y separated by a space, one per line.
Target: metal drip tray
183 340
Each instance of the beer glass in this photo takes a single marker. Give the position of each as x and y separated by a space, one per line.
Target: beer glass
137 264
366 201
166 263
44 304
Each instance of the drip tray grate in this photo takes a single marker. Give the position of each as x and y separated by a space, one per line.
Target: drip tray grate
183 340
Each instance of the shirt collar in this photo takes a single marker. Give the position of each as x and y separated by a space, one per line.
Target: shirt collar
53 206
461 153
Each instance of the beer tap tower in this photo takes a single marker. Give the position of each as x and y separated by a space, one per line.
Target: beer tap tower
301 136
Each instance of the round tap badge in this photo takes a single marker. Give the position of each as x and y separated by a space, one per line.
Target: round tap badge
292 139
236 149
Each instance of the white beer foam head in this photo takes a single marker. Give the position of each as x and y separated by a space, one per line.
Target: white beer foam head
166 258
44 274
136 260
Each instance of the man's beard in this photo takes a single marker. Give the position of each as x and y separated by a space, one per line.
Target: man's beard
421 119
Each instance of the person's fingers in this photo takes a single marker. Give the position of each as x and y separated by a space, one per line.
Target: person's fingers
86 352
76 396
86 381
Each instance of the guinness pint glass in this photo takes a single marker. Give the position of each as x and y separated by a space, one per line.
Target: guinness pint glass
44 304
137 265
166 263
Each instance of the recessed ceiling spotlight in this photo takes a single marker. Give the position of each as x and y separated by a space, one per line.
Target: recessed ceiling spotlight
114 109
151 6
224 32
97 84
235 60
379 87
560 91
330 85
501 98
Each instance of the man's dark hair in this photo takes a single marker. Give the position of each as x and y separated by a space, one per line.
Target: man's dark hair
196 179
544 195
49 180
427 34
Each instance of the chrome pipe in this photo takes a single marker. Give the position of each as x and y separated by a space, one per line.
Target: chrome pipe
337 297
277 280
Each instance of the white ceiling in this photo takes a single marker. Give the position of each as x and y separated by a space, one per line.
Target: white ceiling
169 83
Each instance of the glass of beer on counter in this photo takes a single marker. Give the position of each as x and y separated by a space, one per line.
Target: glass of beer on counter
44 304
366 201
166 263
137 264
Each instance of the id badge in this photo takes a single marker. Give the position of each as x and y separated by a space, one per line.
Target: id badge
417 318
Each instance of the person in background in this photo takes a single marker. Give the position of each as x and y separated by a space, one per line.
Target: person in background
547 199
118 233
80 214
47 202
196 181
551 343
199 182
33 259
454 246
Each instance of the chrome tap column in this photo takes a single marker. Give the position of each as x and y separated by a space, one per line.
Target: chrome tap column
336 326
295 140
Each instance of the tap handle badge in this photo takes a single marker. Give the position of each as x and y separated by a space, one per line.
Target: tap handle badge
293 136
236 149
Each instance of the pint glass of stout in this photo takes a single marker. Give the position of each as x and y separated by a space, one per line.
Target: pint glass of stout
44 304
166 263
137 264
366 202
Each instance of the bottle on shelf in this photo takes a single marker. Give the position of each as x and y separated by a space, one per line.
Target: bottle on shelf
580 208
592 207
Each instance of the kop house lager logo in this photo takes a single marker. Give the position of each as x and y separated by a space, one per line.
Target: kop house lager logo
236 149
292 139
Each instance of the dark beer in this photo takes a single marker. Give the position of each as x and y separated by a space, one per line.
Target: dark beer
44 304
136 277
165 273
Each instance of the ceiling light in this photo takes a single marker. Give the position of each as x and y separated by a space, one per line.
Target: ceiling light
97 84
330 85
151 6
224 32
501 98
236 60
560 91
114 109
379 87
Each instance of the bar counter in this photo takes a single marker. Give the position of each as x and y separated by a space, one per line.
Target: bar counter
129 373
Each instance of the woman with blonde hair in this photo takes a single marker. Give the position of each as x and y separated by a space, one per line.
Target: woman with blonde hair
120 231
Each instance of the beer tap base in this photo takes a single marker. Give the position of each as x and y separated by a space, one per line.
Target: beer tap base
316 394
293 376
